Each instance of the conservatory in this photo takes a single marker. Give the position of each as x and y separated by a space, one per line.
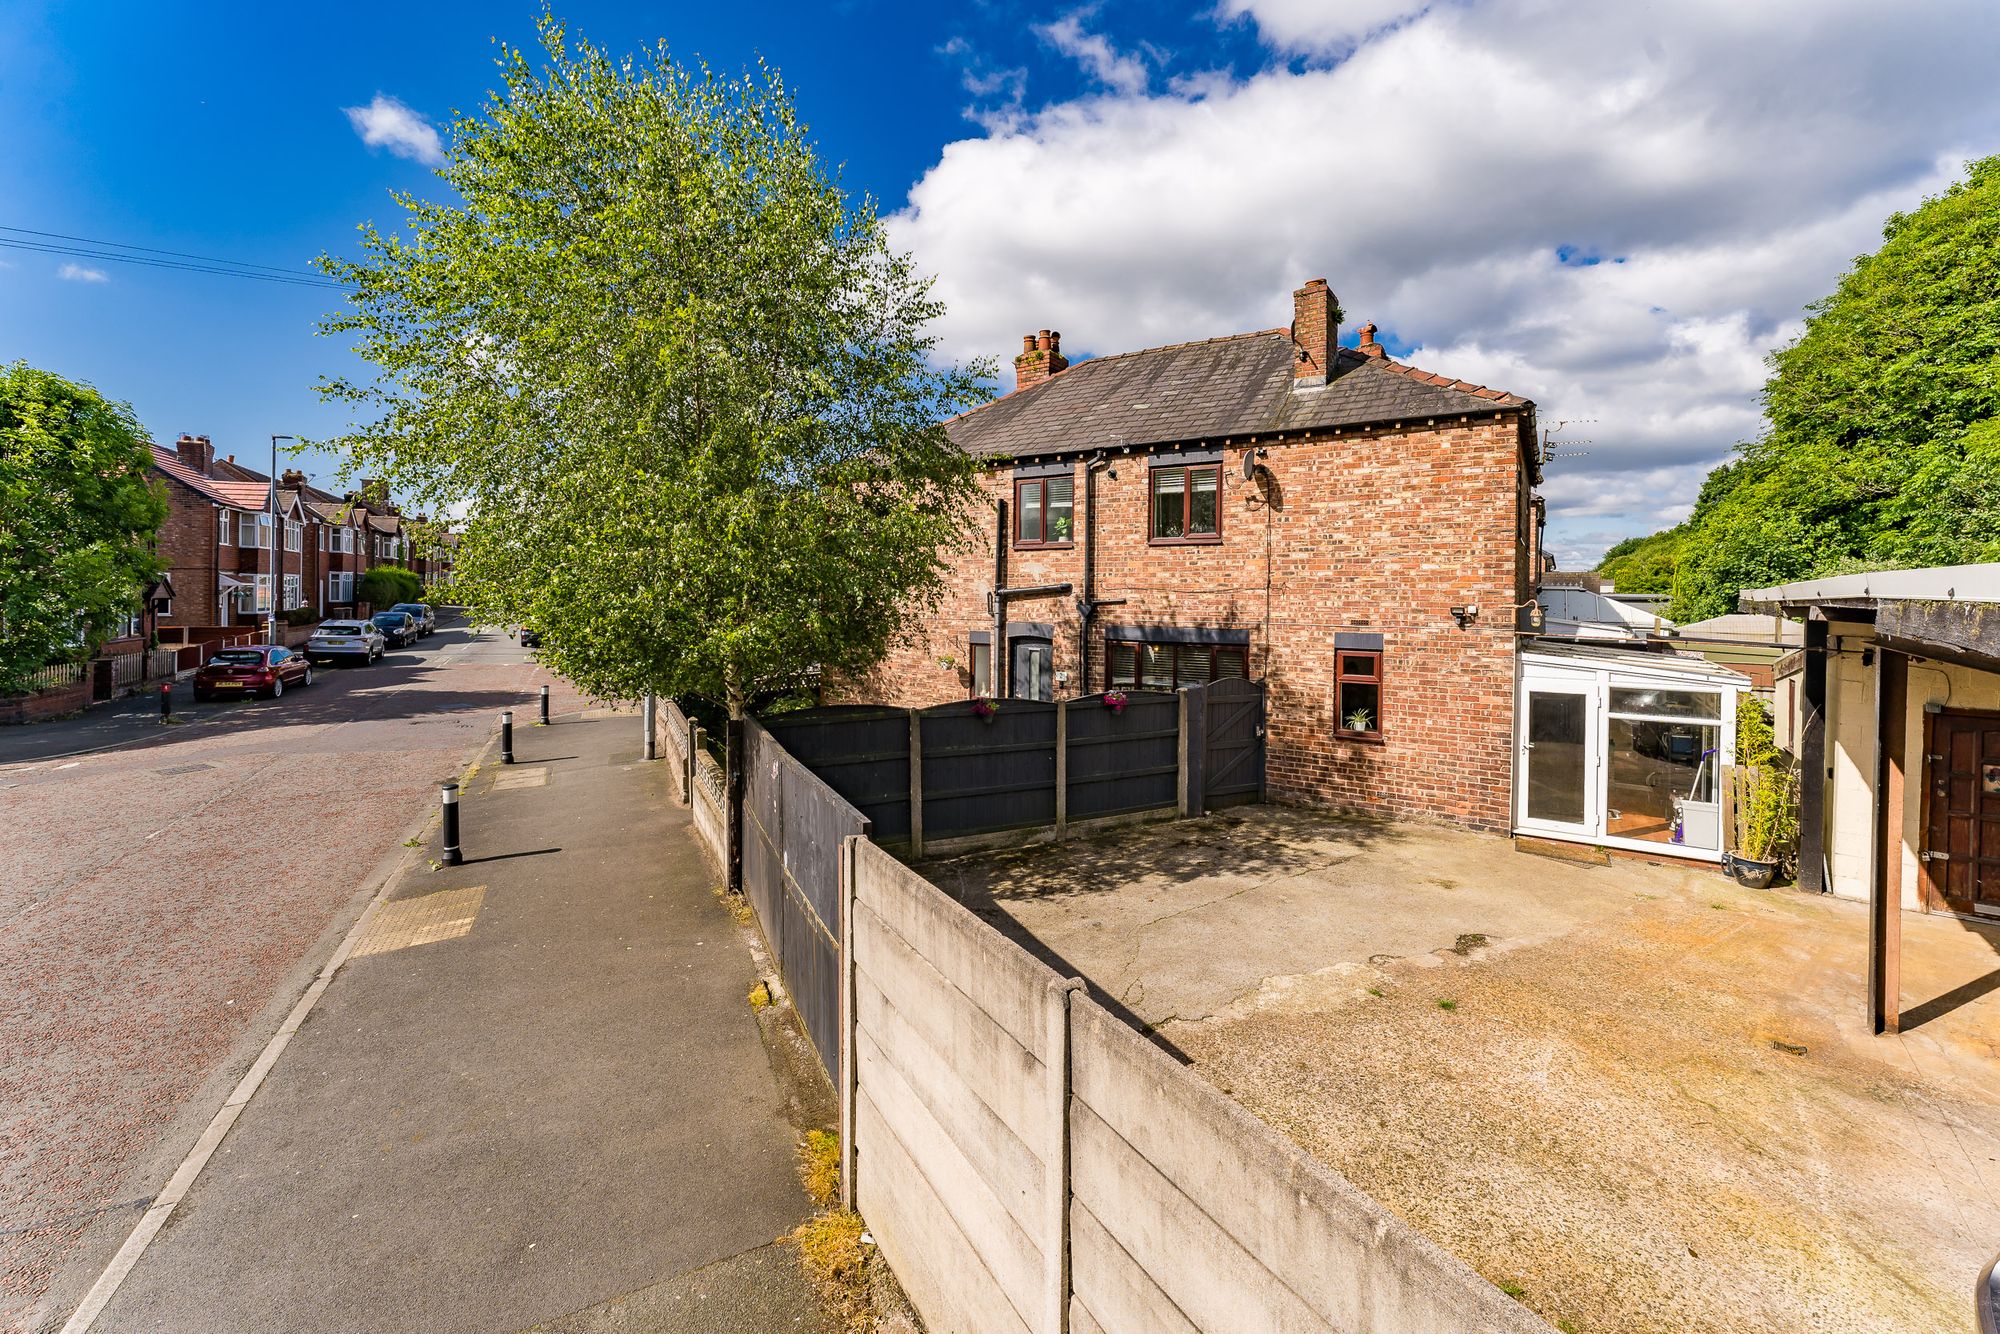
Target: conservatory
1624 748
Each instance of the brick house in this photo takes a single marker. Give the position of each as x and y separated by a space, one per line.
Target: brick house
1360 534
216 539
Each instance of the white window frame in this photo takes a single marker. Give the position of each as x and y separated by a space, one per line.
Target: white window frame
227 538
294 532
294 593
258 525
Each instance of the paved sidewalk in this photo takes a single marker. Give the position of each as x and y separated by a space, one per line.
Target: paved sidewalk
536 1093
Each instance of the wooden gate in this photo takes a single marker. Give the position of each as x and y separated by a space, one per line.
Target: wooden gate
1232 769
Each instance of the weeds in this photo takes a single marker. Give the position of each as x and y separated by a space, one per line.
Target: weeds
819 1166
760 995
413 843
1375 991
1467 943
831 1254
1447 1004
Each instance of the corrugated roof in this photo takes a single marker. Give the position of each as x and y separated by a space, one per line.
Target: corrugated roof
1222 388
1938 583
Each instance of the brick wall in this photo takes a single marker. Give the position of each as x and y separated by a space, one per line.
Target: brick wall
1377 532
187 545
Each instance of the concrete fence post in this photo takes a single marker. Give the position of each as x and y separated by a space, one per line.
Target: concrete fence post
1055 1229
850 1076
1188 781
916 783
650 710
1062 769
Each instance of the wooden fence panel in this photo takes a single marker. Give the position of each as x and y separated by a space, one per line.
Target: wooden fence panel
1121 762
862 752
981 775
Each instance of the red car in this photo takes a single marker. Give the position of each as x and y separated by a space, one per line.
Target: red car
260 669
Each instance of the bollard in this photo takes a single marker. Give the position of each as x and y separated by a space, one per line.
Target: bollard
650 704
545 706
448 803
166 700
507 737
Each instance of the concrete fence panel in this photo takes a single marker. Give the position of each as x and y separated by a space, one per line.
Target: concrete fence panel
710 804
672 742
1180 1196
960 1073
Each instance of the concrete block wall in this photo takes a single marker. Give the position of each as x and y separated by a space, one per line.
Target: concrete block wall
672 743
710 803
1029 1163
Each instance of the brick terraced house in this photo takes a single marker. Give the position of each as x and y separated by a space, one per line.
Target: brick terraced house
1362 535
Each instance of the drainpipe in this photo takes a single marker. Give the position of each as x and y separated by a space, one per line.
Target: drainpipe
1087 605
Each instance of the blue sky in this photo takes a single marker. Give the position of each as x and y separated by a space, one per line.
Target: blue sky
1129 173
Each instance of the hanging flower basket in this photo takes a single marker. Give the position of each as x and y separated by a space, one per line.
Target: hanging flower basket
984 709
1114 700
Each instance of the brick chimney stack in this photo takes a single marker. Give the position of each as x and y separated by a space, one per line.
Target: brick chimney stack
292 479
1041 359
1315 333
196 452
1368 347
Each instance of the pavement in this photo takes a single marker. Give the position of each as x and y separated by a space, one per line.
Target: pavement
535 1094
1636 1096
165 902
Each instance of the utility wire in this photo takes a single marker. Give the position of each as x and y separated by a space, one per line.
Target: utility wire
78 247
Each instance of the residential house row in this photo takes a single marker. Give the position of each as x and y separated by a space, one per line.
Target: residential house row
218 549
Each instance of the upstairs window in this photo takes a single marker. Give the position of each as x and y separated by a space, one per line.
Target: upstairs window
1187 503
1045 512
227 535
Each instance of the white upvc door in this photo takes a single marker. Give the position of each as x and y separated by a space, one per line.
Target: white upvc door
1561 759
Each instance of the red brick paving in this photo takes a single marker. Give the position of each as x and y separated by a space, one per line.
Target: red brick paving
147 919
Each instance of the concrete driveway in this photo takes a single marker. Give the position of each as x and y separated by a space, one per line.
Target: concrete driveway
1634 1095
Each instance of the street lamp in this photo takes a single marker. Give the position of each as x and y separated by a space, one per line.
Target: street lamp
277 569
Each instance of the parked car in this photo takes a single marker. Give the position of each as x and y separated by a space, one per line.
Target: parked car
337 641
530 638
426 618
398 628
263 669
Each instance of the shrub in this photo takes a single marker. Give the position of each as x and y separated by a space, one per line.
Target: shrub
1756 742
386 585
301 616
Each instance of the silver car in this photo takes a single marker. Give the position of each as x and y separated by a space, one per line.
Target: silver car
348 641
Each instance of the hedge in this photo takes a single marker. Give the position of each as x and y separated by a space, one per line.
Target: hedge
386 585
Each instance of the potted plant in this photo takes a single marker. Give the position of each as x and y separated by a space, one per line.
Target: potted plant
1768 817
1114 700
1361 720
983 709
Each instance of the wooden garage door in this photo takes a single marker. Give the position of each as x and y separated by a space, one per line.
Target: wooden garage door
1961 853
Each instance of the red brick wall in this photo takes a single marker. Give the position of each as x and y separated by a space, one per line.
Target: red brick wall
1375 532
187 545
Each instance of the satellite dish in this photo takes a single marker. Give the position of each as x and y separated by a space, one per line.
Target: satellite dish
1249 465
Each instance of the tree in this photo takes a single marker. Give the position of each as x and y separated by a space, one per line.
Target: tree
674 377
78 518
1882 443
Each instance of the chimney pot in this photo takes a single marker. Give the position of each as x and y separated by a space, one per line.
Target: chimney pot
1041 358
195 452
1315 326
1368 347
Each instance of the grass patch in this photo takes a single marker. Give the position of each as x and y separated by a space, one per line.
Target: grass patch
1447 1004
819 1165
831 1254
760 995
1511 1288
736 905
1467 943
1375 991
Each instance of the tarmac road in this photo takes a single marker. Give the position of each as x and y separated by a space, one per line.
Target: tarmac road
164 902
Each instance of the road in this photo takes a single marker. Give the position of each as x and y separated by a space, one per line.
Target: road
163 903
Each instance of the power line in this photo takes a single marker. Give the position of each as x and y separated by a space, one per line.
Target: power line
79 247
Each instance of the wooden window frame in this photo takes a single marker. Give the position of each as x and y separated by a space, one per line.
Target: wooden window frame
1341 676
1187 471
972 669
1022 542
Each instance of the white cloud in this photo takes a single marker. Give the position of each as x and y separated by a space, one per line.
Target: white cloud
77 273
387 123
1452 169
1121 73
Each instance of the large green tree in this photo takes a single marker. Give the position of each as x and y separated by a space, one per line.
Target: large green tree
673 377
1882 439
78 518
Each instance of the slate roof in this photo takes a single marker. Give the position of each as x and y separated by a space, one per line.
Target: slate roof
1218 389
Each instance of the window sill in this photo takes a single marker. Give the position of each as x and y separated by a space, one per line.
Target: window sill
1363 738
1044 546
1207 541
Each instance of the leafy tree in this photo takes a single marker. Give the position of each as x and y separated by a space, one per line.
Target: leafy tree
1643 564
77 520
386 585
1882 446
674 376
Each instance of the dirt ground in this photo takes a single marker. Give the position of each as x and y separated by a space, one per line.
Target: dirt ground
1635 1096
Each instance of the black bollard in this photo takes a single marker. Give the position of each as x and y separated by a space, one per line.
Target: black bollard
507 737
448 803
545 706
166 700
